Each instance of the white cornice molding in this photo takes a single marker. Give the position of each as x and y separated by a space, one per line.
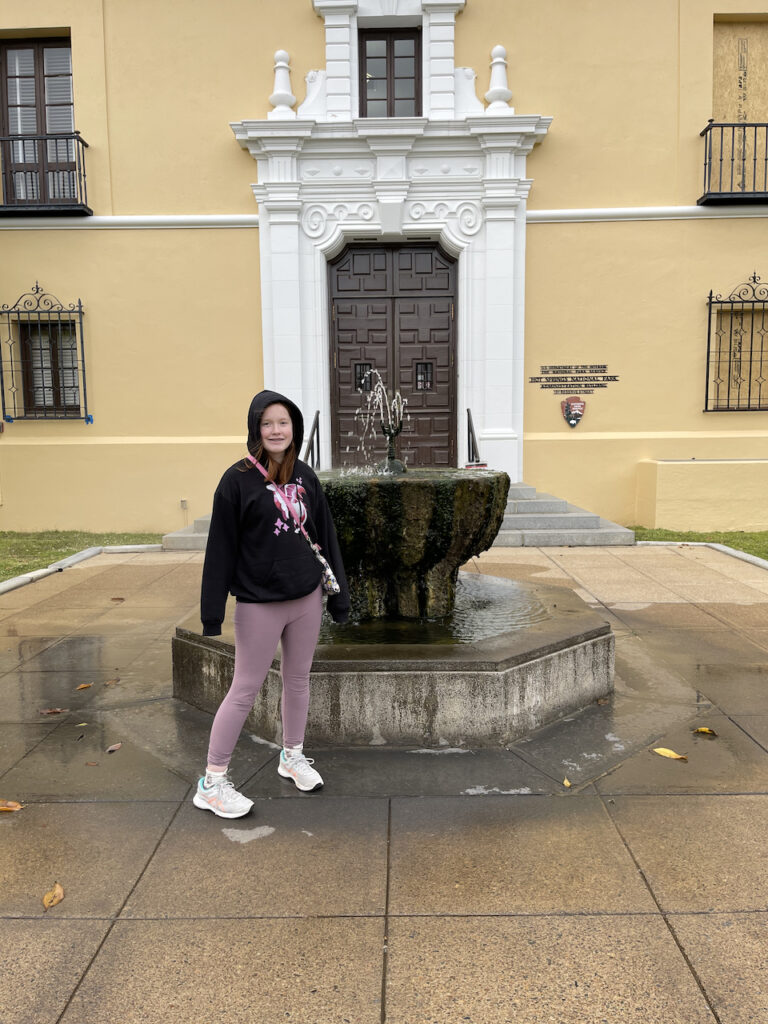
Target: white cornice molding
134 222
639 213
177 222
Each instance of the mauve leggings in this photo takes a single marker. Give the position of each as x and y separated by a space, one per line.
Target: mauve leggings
258 629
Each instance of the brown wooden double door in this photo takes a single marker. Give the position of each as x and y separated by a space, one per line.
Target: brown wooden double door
393 310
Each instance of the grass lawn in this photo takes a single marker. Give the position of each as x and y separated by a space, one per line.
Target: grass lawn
23 552
753 543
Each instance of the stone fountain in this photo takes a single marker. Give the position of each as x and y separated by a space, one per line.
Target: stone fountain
432 656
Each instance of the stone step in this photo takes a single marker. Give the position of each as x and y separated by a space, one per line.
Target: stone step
552 521
533 519
521 492
542 503
188 539
607 534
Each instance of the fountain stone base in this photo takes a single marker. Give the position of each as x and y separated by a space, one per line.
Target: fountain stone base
484 693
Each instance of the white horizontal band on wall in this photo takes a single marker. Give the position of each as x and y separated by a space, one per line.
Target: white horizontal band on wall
628 213
153 221
9 440
241 220
645 435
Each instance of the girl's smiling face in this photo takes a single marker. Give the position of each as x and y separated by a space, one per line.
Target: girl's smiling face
276 429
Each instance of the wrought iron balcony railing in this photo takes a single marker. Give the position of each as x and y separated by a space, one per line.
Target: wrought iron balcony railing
735 162
43 174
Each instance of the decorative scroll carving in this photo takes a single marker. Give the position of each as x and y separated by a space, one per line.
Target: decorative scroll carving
467 215
315 219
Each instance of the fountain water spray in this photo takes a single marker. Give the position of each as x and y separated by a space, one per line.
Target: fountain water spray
391 414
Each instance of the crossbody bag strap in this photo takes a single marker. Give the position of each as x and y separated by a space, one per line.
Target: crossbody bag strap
284 496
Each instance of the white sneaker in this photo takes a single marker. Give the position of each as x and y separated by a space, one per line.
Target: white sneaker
293 765
217 793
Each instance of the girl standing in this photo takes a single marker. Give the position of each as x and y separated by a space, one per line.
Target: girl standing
257 552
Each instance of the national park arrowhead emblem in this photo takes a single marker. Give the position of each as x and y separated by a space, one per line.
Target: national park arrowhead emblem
573 409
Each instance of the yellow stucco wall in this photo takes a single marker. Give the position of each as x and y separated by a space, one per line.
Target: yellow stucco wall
633 297
677 495
173 319
173 357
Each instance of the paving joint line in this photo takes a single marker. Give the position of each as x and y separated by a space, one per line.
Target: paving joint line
385 949
663 913
110 929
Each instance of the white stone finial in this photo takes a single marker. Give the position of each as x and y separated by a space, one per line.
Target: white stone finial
498 96
282 99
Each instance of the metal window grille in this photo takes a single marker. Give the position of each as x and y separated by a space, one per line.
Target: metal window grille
737 350
42 359
424 376
363 377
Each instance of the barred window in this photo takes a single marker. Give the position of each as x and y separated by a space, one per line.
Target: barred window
737 351
42 359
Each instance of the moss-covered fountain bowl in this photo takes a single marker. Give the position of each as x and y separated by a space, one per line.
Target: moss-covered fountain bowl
403 537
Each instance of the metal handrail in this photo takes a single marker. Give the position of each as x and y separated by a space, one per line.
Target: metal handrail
312 449
44 172
735 161
473 450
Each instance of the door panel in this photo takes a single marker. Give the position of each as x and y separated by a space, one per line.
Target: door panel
393 311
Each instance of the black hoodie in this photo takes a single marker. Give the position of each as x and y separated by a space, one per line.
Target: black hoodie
255 551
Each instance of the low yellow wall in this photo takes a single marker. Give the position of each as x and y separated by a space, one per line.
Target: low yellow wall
678 495
600 472
130 484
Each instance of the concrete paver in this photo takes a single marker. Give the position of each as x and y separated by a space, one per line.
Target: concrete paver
96 851
730 954
731 762
699 852
535 970
289 858
547 856
43 962
417 887
178 972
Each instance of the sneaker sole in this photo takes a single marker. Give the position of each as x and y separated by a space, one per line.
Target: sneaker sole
198 801
304 789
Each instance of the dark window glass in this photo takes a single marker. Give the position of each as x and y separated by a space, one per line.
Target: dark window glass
424 376
390 74
50 365
363 377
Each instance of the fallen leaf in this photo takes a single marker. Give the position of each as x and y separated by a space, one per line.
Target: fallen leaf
10 805
84 686
566 783
54 896
118 600
54 711
114 747
666 752
80 725
111 682
91 764
705 731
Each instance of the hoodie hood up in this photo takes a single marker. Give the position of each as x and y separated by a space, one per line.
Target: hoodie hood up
259 403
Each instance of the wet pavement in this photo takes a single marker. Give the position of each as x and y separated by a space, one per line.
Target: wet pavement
419 886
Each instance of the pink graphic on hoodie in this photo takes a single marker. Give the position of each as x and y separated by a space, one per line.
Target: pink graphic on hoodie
294 493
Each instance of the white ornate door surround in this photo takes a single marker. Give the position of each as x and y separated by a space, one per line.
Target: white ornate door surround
457 174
